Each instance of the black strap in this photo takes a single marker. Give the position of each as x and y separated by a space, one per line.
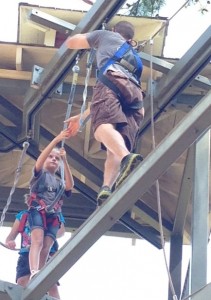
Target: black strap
116 90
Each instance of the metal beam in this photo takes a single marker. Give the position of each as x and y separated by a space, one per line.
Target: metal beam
179 223
175 266
52 22
203 293
179 77
182 136
87 169
163 66
184 194
200 212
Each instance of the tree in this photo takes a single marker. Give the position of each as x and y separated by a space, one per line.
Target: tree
203 5
151 8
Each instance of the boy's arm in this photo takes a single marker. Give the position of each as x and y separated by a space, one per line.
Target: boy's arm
10 239
73 123
77 41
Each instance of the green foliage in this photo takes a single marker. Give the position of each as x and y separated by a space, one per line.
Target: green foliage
203 5
149 8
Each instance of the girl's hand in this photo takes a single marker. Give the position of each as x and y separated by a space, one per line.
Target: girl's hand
64 134
62 153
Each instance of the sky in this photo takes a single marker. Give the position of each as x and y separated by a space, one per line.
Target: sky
113 268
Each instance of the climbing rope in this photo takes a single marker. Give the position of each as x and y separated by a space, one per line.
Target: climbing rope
17 175
75 70
90 59
157 185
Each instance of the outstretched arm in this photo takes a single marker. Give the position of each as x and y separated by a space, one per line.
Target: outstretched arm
44 154
77 41
74 122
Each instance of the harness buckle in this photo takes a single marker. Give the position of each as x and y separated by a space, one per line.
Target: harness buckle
39 207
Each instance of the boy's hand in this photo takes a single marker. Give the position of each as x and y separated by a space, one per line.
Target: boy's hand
73 125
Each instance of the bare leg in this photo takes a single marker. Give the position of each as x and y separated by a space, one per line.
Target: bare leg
37 235
23 281
111 169
54 291
47 244
116 150
112 139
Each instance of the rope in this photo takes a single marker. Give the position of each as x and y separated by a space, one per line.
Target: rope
90 59
164 25
17 175
157 185
75 70
5 246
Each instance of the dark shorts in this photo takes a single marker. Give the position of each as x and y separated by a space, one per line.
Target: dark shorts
36 220
107 109
22 268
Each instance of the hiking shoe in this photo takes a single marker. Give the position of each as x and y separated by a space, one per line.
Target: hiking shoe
103 194
128 164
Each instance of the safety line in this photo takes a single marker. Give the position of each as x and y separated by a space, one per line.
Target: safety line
17 175
75 70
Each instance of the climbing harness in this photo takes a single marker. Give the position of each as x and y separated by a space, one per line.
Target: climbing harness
122 57
35 198
17 175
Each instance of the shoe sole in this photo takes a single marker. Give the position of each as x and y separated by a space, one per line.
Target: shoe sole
102 198
132 164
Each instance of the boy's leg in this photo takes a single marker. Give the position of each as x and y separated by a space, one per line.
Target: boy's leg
111 171
125 161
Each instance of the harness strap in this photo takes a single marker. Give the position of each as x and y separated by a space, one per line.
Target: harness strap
118 58
22 222
116 90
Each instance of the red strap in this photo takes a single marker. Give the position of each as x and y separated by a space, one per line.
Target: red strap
22 222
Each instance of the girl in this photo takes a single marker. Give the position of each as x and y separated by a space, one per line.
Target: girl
44 187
